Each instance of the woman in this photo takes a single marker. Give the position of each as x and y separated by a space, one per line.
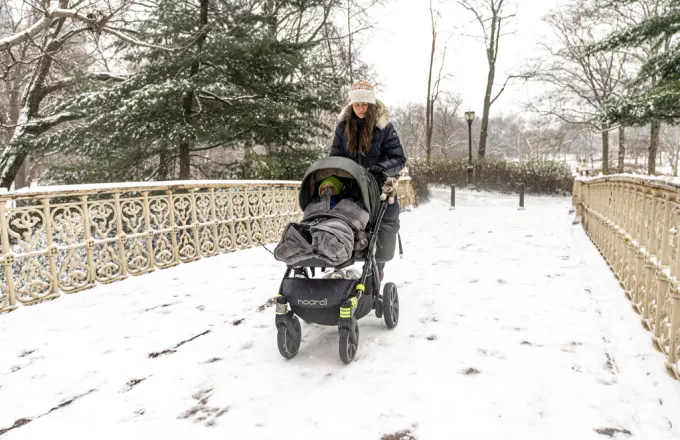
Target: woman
366 135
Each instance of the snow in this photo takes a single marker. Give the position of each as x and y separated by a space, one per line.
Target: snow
512 326
36 190
668 181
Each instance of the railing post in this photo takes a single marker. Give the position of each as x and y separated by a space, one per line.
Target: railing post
122 239
89 242
652 254
173 227
149 231
213 220
521 196
7 257
51 250
672 359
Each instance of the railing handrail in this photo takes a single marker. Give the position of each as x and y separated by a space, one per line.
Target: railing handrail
35 192
660 182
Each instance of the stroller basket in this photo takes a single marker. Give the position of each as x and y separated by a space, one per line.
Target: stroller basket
318 300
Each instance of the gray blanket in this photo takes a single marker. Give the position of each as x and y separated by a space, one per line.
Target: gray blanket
324 233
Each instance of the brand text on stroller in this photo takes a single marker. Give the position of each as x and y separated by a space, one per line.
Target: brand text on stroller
312 302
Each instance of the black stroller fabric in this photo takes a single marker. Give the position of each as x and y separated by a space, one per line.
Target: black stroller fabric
318 300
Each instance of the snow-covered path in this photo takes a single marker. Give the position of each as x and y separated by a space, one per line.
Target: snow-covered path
512 327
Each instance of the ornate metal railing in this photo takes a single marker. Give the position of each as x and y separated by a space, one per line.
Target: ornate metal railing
634 222
66 239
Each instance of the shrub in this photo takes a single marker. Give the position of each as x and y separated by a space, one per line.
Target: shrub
540 177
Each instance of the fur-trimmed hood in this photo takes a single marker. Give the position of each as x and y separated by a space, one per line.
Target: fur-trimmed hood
382 120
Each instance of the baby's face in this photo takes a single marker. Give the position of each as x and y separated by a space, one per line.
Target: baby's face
328 187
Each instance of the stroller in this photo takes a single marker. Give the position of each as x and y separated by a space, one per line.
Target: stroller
339 301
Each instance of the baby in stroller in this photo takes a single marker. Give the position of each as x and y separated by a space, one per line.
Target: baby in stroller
332 227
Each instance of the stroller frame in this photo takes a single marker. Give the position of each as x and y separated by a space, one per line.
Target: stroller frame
288 326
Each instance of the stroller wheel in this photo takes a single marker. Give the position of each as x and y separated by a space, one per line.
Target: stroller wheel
288 339
348 346
391 305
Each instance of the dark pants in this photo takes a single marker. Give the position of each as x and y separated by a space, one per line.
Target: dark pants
391 213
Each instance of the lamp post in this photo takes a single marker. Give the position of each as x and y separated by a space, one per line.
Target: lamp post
469 117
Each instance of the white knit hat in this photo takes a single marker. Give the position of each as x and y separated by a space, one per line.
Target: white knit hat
362 91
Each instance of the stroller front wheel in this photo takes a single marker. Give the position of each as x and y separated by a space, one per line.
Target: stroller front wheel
391 305
348 344
289 339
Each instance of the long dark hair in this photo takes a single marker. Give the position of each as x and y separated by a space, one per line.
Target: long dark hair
366 134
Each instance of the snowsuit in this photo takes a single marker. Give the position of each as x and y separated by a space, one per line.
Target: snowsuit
326 233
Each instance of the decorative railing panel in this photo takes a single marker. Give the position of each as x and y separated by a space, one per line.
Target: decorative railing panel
635 221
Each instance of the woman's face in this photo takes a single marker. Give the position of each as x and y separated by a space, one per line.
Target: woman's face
360 109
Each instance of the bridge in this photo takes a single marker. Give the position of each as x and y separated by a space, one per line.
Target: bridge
127 319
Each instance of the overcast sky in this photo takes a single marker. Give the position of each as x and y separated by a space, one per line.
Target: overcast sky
399 50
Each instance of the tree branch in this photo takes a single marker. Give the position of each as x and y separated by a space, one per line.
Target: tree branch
229 101
55 13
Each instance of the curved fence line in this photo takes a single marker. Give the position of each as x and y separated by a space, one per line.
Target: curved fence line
634 222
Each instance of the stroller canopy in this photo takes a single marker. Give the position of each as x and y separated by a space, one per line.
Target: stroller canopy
341 167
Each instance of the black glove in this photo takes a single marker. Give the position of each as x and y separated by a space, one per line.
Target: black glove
379 174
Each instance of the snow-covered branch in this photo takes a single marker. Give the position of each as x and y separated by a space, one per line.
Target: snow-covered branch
68 82
39 126
39 26
209 95
55 13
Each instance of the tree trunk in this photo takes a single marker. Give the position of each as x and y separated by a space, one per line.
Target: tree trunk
13 155
653 146
23 176
605 150
622 148
163 162
188 99
184 161
349 36
483 133
429 117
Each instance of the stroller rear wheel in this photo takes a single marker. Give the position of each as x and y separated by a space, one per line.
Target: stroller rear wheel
288 339
391 305
348 344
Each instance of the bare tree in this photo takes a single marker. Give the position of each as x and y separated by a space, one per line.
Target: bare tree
433 89
493 17
579 82
50 34
447 127
670 144
358 21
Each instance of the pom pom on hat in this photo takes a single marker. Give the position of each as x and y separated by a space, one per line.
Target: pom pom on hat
362 91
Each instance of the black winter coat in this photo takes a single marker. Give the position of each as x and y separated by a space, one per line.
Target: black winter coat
386 149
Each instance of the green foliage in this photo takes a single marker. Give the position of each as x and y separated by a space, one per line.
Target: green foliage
284 165
539 177
655 92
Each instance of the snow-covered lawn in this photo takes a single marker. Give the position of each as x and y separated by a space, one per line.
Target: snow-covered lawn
512 327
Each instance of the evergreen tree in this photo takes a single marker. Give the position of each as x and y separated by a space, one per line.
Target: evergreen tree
655 93
230 77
